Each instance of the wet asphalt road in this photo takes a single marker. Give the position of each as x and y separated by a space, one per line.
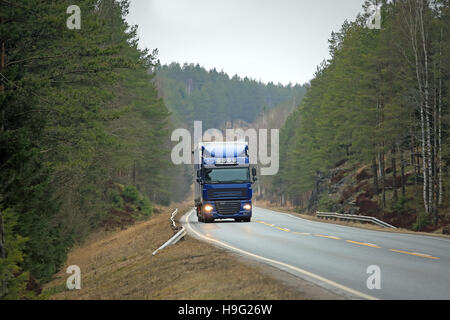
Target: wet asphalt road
346 260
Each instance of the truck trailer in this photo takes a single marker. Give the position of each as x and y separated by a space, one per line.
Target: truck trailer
223 188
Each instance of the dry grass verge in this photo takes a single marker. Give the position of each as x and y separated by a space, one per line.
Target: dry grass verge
120 265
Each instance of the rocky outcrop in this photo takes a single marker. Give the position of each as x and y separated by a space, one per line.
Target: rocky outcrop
346 190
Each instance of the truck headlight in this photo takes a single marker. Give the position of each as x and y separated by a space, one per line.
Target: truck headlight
247 206
208 208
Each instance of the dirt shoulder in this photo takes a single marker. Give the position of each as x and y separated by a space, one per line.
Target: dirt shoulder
120 265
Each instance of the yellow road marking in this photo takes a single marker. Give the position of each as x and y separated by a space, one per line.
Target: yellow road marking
364 244
329 237
415 254
422 255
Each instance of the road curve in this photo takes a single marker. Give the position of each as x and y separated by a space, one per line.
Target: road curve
337 257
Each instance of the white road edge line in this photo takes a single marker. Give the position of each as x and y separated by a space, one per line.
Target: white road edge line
296 269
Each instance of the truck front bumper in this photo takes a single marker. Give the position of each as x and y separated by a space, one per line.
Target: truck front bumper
216 214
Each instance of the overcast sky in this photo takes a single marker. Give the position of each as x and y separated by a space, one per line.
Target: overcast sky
268 40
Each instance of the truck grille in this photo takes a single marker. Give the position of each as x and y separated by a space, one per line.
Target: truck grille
227 193
228 207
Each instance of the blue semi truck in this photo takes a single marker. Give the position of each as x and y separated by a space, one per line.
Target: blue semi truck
224 181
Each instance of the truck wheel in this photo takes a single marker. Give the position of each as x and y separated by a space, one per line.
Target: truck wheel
200 218
247 219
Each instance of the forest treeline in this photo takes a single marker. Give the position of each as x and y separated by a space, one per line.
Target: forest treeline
82 131
86 116
193 93
381 100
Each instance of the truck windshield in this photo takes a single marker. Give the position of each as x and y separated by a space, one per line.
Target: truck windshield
227 175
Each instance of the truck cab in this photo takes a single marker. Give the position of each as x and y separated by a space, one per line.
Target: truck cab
224 182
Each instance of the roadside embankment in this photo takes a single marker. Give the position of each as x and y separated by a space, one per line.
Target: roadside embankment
120 265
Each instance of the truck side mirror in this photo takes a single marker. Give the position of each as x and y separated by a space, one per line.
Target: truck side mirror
254 178
199 176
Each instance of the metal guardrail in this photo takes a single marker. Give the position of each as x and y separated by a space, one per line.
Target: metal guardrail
177 237
180 234
334 215
174 213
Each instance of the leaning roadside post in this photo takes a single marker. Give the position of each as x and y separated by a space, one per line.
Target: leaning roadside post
177 237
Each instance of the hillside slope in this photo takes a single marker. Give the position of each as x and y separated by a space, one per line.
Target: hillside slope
349 188
120 265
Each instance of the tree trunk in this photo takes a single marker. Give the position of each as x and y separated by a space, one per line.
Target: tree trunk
394 175
3 284
382 176
414 21
134 173
435 152
440 194
375 175
427 112
402 168
2 87
413 148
